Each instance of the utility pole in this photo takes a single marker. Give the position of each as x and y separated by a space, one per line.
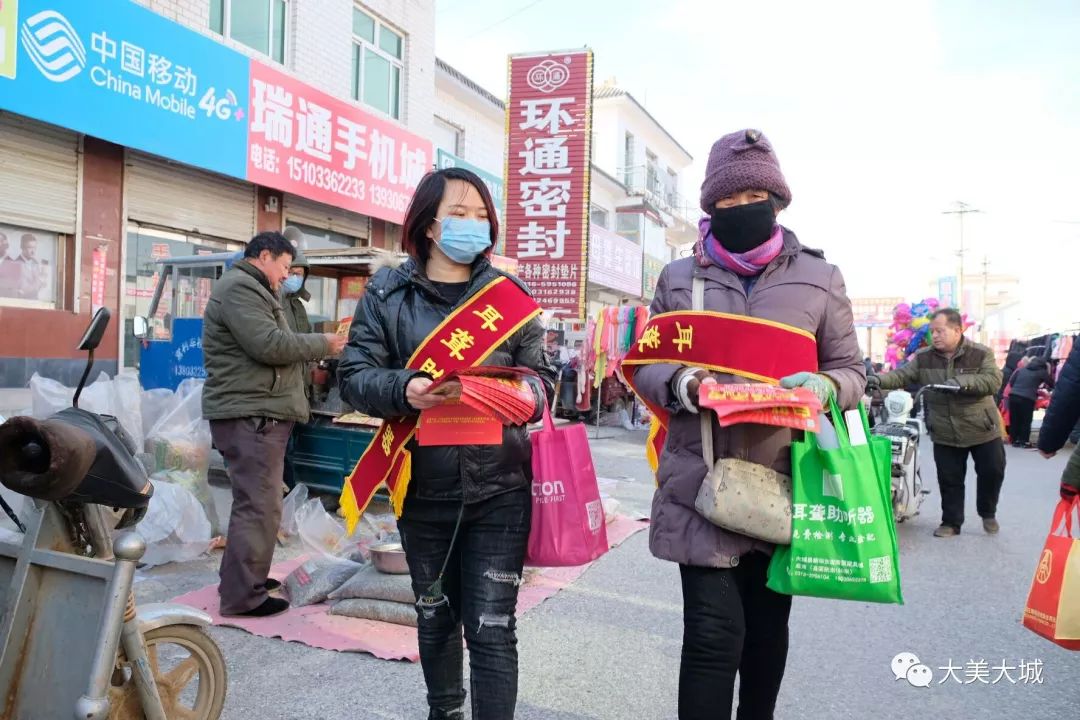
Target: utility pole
984 310
962 209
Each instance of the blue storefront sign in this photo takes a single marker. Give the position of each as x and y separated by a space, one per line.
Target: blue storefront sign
115 70
494 182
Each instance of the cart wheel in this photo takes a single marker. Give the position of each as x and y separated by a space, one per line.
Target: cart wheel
189 670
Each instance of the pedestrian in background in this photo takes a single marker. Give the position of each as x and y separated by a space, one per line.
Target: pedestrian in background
961 423
752 267
1061 418
293 297
1023 394
254 393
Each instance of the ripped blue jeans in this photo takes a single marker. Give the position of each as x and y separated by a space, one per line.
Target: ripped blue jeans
479 597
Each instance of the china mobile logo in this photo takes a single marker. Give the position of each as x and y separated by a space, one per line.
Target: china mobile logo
54 46
550 491
548 75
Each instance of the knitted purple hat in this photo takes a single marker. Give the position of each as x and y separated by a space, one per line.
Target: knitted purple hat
742 160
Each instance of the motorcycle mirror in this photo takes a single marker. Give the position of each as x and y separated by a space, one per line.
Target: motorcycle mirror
96 330
90 340
141 328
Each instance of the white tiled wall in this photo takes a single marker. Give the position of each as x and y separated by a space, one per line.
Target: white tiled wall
484 131
319 45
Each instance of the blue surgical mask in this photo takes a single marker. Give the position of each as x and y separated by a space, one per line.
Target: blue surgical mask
463 240
292 284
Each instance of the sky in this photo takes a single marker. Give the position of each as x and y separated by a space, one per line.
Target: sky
883 116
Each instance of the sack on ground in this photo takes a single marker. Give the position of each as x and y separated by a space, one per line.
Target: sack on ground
370 584
378 610
1053 605
313 581
843 542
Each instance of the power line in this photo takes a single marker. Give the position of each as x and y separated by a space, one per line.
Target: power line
962 209
508 17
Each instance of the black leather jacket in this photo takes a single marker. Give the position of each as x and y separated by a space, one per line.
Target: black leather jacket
400 308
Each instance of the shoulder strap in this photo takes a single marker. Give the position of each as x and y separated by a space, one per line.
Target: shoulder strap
698 303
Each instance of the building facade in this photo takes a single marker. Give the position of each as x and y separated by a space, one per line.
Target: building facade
199 123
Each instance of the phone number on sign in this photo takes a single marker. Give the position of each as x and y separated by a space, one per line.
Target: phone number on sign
322 177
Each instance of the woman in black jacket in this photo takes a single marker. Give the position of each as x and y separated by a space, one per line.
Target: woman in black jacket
466 516
1022 399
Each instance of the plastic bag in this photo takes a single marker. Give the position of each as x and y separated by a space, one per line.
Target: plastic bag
22 506
367 583
119 398
180 439
176 528
318 530
378 610
296 499
313 581
198 486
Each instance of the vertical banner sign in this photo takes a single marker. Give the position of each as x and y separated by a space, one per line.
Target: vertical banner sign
548 131
98 271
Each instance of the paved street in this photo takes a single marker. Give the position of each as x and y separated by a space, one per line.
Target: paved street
608 647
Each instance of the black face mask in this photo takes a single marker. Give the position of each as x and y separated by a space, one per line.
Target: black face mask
742 228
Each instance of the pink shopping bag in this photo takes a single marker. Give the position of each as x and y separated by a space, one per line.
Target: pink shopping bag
568 526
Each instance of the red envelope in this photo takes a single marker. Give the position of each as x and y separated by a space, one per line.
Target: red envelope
458 424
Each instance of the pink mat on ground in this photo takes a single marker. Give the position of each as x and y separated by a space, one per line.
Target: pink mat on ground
313 625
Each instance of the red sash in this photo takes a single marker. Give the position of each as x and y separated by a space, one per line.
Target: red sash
751 348
464 339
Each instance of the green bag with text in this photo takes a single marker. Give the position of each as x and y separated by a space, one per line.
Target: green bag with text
843 543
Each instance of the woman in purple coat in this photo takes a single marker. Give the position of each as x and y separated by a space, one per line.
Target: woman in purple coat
752 268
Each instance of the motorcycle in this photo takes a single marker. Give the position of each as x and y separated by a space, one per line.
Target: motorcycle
905 432
72 641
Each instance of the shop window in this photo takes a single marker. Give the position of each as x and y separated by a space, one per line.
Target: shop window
448 137
321 239
377 64
599 216
144 251
258 24
31 263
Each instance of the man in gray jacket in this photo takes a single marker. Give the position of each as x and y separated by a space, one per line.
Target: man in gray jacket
254 393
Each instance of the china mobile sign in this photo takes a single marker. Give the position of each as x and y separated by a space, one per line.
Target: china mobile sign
140 80
549 123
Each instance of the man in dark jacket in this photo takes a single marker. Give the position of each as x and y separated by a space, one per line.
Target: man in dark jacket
254 393
1061 417
961 423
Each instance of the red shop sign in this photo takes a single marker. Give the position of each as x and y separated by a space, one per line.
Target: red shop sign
549 116
303 141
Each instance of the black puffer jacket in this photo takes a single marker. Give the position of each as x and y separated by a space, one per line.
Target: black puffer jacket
1064 411
400 308
1030 378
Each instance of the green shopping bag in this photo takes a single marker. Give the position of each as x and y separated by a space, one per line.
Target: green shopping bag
843 543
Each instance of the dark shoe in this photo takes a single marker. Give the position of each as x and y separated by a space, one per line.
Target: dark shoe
269 608
946 531
991 526
271 585
1027 446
